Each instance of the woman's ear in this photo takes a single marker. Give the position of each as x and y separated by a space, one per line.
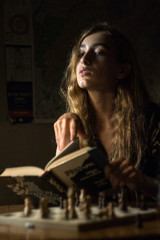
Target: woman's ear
125 70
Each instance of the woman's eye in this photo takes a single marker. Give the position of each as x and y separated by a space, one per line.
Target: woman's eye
100 53
81 54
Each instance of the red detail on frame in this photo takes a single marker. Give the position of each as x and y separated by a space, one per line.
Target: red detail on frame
19 24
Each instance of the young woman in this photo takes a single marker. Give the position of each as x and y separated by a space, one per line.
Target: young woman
108 107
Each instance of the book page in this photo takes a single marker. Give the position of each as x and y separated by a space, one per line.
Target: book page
70 148
23 171
70 158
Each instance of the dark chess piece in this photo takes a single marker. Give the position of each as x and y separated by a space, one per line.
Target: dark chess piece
87 208
143 202
61 205
77 193
123 199
66 210
139 221
102 200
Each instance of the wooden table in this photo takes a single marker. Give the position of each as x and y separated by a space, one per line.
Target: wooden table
149 230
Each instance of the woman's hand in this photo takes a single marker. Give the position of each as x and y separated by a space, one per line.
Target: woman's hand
121 173
66 129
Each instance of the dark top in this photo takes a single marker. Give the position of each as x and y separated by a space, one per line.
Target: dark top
150 163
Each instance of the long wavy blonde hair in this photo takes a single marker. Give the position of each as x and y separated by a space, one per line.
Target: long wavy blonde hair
129 108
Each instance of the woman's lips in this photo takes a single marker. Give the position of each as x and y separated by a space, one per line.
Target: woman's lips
84 72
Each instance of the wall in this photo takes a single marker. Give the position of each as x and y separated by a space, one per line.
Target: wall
21 144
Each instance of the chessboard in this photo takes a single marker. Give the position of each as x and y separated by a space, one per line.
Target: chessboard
56 218
77 213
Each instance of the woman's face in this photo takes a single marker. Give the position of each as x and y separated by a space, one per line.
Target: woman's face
97 67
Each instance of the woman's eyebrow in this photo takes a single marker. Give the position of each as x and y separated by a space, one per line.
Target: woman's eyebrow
95 45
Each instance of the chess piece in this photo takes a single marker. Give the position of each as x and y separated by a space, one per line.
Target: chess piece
27 207
143 202
44 211
139 221
61 205
102 200
102 205
82 199
71 203
110 211
105 212
77 192
118 199
66 210
87 207
123 200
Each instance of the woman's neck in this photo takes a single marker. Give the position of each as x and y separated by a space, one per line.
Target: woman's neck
103 107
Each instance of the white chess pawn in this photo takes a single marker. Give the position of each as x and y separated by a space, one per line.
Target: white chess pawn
111 210
82 199
27 207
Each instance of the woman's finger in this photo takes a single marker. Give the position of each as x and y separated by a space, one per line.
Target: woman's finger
73 129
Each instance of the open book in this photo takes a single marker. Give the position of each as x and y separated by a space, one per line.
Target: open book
82 167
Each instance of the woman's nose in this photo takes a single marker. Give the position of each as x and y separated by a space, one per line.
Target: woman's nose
86 59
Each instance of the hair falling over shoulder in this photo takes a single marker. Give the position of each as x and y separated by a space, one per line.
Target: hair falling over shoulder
130 101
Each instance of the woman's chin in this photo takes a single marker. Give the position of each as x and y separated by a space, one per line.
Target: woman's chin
83 84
